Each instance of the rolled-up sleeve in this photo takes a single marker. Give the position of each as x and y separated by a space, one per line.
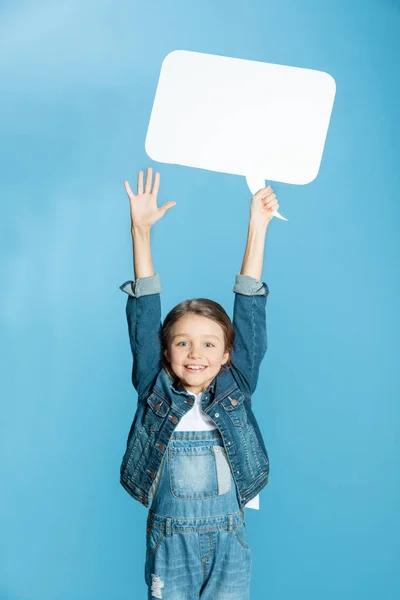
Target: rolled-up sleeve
143 286
249 286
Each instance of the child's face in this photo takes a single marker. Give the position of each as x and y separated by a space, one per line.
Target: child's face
196 340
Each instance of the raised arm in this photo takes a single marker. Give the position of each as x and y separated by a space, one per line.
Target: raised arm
143 308
249 312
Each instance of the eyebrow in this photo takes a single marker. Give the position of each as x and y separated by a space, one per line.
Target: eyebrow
186 335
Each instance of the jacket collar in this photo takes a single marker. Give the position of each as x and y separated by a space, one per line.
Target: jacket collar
220 385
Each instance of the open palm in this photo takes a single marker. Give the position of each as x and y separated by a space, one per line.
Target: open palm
143 205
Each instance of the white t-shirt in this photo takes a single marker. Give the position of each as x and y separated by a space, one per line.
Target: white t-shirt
197 420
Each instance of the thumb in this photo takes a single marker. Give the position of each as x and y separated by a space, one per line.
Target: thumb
163 209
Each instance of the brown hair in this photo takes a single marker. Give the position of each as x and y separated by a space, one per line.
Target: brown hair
198 306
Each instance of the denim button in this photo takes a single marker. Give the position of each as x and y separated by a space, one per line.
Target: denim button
216 415
174 419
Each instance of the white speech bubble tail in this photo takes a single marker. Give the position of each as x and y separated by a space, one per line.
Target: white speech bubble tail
256 183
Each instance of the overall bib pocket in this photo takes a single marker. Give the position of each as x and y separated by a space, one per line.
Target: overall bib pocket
198 472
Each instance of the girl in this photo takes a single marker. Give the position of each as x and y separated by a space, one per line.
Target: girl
195 454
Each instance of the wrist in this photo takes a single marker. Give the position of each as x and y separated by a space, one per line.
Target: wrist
139 230
257 226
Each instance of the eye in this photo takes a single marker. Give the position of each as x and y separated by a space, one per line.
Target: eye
209 343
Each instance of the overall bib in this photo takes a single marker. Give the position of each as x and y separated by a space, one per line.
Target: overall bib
196 539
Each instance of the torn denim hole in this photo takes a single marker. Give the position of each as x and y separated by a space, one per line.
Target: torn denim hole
156 586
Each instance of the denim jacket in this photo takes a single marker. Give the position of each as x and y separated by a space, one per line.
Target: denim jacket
227 400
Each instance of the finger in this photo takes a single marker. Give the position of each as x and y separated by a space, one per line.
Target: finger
266 193
167 206
140 183
156 185
149 178
128 189
270 203
263 192
269 200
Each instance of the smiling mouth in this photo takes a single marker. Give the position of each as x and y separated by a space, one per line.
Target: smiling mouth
195 370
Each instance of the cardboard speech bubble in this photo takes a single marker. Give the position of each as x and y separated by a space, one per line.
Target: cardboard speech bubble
230 115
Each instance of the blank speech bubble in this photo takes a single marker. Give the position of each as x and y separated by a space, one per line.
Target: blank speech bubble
230 115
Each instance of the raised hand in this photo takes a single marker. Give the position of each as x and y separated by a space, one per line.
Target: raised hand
263 203
143 205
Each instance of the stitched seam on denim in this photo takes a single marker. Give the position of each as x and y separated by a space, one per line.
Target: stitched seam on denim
243 543
128 480
175 529
255 454
159 393
156 515
218 400
127 483
237 520
255 485
258 439
193 498
151 435
155 490
141 459
203 564
244 445
163 413
149 552
135 443
178 530
205 559
235 417
239 540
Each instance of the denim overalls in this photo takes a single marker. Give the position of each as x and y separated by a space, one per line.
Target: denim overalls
196 540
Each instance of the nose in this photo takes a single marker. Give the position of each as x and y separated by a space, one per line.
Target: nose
194 353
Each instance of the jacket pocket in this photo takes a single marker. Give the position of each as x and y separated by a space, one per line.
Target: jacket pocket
235 408
155 413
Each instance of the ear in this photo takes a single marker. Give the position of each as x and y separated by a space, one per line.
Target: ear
165 352
225 358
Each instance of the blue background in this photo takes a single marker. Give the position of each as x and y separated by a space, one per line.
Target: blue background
77 87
